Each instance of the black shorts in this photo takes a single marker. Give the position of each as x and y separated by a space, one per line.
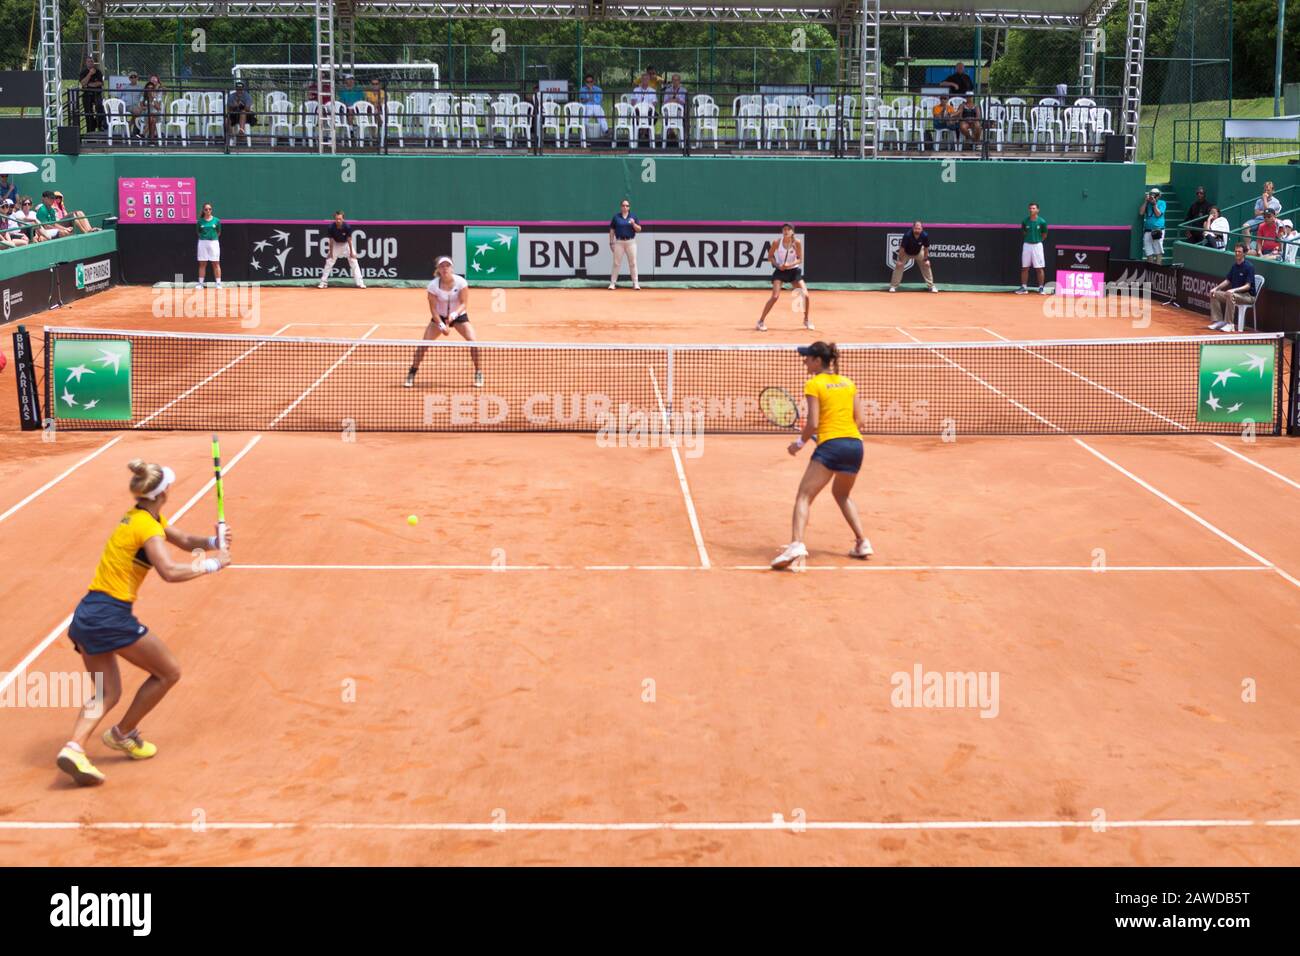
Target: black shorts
456 321
787 275
840 454
102 623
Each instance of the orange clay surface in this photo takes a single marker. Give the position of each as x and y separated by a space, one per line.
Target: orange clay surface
543 671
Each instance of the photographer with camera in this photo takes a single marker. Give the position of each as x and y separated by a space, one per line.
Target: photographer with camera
1152 212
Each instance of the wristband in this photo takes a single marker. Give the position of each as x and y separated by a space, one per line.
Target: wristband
211 565
799 443
212 543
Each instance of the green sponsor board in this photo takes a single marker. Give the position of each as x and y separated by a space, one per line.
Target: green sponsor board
92 380
492 252
1236 383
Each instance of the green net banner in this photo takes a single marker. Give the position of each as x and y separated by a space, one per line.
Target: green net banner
1236 384
92 380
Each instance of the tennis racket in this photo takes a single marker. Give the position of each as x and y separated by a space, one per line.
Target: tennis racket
779 407
221 494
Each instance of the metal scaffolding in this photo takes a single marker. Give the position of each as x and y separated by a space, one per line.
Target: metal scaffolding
856 23
324 17
1134 55
51 72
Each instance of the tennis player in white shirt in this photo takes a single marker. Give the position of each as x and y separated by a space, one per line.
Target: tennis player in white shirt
448 296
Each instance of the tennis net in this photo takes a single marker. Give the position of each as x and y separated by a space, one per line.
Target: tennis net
163 380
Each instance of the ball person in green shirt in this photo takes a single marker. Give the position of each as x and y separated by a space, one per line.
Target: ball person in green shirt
1034 231
209 228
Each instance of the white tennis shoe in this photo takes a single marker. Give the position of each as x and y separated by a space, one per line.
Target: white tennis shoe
792 553
862 550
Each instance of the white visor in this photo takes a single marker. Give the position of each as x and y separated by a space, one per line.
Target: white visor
168 478
441 259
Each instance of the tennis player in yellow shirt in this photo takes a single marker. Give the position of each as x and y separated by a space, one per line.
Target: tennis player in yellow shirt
834 422
104 626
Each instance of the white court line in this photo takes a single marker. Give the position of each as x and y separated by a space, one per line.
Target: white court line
992 389
190 391
329 371
1190 513
681 476
1098 385
51 483
1246 459
778 823
1014 568
54 635
1170 501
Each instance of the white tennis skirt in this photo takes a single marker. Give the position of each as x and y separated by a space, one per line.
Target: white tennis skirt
209 250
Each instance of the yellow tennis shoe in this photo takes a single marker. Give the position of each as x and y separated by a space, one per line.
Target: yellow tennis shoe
77 765
133 745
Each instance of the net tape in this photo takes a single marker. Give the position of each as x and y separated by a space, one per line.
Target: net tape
254 383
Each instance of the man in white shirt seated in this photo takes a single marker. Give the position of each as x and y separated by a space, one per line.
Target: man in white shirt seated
591 96
645 93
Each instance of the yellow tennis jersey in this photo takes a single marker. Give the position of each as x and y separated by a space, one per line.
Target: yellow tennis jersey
834 394
124 564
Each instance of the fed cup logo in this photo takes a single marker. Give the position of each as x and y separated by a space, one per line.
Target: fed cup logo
893 242
6 305
270 254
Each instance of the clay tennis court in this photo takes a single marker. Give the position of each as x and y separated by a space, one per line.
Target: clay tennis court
578 655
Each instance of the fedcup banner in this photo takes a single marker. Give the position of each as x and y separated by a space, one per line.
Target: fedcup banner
488 254
91 380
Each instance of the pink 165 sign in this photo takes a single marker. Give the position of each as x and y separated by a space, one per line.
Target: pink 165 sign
155 201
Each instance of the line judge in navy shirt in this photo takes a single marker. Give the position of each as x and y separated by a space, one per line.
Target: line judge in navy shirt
622 242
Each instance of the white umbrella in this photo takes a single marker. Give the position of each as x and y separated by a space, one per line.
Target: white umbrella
16 166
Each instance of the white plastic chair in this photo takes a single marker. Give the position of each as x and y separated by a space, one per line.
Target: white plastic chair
705 120
575 118
116 115
810 124
643 120
1016 116
622 122
502 120
700 99
342 121
1076 126
775 127
282 117
552 121
522 122
363 116
997 119
1044 125
178 119
468 127
1099 118
674 118
1254 314
749 125
887 121
214 115
394 120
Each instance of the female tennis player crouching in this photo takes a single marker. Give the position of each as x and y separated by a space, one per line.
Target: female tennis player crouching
104 625
834 421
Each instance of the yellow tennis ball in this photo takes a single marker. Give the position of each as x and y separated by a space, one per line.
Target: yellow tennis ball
413 520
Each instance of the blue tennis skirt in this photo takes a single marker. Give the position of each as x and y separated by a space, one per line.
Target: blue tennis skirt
102 624
840 454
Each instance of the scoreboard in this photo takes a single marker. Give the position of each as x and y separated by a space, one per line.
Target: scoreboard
1081 270
150 201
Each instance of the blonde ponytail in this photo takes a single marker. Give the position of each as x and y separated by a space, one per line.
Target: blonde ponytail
145 476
